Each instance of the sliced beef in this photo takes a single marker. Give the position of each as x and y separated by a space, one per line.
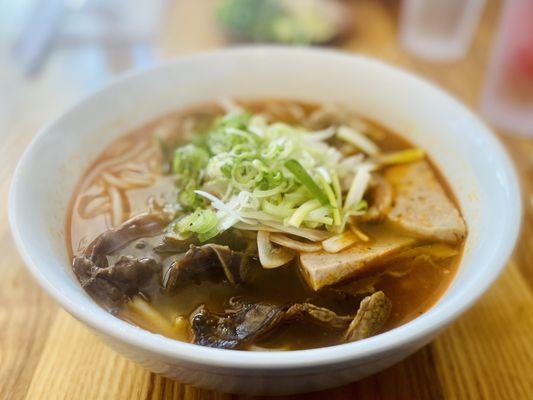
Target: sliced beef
133 275
170 245
373 312
322 268
237 327
209 262
233 238
421 206
354 290
113 284
247 322
319 315
103 291
145 225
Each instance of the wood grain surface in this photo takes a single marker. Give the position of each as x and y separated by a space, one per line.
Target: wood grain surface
47 354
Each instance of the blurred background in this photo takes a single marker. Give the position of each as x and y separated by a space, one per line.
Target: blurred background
55 51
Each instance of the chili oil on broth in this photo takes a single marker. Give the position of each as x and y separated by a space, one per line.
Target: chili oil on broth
416 287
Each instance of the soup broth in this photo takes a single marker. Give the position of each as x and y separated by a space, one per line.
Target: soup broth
131 178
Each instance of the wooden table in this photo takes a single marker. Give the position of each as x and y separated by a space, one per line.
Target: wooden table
46 354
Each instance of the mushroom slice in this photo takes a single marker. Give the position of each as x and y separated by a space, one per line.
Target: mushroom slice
270 256
293 244
339 242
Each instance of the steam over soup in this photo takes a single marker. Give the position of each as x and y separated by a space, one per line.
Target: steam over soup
269 225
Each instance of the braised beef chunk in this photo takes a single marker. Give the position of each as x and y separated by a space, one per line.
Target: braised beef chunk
145 225
112 285
170 245
236 328
112 278
353 291
197 265
319 315
134 275
209 262
232 238
103 291
247 322
370 318
230 261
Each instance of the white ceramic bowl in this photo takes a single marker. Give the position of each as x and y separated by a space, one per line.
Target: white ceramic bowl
468 154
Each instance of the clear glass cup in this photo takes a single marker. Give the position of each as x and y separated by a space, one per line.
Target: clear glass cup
439 30
507 99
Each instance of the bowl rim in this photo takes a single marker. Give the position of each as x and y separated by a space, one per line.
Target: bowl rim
416 330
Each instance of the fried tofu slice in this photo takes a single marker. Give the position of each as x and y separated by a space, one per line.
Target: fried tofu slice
322 268
421 206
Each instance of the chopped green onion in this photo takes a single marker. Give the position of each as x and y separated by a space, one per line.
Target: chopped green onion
280 211
358 140
337 189
189 160
299 215
320 215
358 187
200 221
301 174
401 157
332 200
246 172
361 206
297 197
211 233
